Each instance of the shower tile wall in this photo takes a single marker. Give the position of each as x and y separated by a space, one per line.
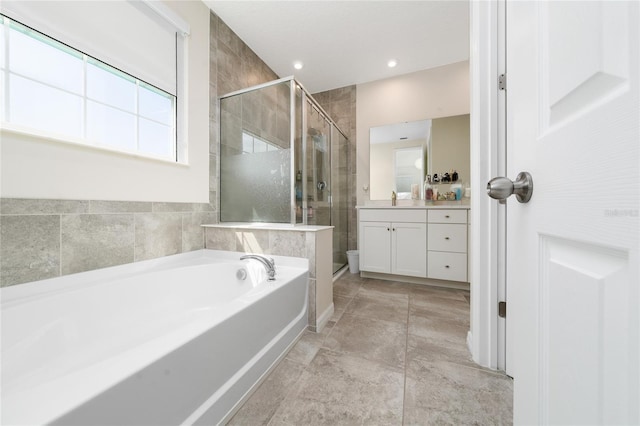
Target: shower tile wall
340 104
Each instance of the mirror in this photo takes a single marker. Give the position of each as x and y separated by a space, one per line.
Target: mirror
403 154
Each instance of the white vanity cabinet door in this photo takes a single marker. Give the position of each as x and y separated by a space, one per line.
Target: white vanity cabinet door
375 247
409 249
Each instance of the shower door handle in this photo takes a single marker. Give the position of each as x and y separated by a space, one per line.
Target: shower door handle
322 185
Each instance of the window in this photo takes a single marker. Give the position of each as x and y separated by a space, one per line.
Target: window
52 89
408 168
252 144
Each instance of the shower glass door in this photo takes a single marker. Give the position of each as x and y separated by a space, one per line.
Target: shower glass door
339 198
318 170
255 155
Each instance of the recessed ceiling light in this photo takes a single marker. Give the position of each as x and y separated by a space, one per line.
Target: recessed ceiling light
298 65
392 63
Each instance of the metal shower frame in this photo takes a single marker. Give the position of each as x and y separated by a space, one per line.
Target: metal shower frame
293 84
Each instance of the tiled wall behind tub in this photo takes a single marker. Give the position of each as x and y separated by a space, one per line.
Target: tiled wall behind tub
42 239
340 104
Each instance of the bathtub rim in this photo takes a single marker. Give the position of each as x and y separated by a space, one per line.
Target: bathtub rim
21 293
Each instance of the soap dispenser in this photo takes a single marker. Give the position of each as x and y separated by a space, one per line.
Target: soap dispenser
393 198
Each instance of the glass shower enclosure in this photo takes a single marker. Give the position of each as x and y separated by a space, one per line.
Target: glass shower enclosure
283 160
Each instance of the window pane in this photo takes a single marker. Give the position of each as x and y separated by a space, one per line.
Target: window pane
42 107
110 87
259 146
1 42
155 138
109 126
155 106
45 60
247 143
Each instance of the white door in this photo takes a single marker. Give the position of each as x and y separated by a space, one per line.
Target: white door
572 252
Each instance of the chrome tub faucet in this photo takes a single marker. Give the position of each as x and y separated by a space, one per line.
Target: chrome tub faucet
268 263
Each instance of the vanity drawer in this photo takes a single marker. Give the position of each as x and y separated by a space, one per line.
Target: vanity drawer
447 216
447 237
447 266
393 215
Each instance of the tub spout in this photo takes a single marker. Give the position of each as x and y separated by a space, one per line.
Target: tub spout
268 263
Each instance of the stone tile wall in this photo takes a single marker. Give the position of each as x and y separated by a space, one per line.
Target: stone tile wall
42 239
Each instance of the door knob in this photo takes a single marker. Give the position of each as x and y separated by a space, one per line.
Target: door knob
501 188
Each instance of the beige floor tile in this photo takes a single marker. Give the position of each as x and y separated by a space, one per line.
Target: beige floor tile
340 303
346 288
376 340
425 324
306 348
387 288
338 389
442 392
259 409
376 306
434 349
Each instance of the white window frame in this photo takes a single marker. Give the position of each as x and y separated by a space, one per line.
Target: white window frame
175 152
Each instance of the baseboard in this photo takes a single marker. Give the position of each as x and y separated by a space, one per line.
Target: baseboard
416 280
340 273
470 342
323 319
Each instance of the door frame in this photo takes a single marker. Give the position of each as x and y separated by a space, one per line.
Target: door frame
486 338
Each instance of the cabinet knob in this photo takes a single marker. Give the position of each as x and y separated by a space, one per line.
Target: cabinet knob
447 216
394 229
446 266
446 238
387 229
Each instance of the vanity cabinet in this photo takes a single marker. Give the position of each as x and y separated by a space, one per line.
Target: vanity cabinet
414 242
393 242
447 242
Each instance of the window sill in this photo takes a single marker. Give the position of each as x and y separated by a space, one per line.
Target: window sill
7 128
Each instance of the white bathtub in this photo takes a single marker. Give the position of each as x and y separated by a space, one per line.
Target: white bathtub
176 340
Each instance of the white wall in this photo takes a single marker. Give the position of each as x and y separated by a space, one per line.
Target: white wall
35 167
450 148
433 93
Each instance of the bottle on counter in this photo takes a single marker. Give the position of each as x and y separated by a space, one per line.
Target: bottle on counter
428 190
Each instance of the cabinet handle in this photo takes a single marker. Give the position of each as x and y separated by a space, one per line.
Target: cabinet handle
447 216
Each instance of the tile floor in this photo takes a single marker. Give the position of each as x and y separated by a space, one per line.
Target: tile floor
393 354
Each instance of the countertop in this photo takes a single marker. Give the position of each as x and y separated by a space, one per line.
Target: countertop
420 204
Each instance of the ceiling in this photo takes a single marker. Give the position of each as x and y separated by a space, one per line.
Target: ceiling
342 43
